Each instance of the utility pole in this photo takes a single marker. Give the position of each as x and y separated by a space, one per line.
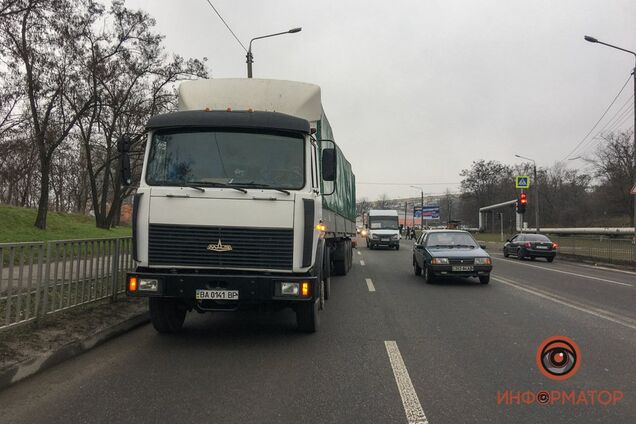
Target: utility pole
594 40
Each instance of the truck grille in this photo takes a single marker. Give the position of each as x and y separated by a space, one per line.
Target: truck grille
190 245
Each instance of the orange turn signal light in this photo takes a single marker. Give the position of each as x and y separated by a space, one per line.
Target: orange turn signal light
321 227
304 288
132 284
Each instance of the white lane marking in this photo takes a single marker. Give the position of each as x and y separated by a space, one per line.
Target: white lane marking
361 263
599 313
370 285
410 401
359 253
567 272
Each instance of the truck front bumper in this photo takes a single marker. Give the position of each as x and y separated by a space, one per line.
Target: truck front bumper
252 289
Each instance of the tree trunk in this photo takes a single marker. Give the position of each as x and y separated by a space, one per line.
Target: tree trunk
43 203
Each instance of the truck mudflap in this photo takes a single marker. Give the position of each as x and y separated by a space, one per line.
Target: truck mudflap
228 291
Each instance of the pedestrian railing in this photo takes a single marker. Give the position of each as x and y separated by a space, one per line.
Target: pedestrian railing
604 249
42 278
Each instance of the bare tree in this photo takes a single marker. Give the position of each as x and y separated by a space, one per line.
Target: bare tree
39 42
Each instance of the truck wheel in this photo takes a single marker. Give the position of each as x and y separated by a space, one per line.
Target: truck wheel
326 274
397 247
166 315
340 267
308 314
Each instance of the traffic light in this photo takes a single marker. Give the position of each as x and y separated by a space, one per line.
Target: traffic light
522 202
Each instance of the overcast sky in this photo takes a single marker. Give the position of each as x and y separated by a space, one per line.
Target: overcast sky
416 90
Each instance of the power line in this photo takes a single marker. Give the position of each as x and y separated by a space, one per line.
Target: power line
227 26
614 122
407 184
599 120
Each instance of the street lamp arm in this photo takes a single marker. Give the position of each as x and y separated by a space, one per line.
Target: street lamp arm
523 157
594 40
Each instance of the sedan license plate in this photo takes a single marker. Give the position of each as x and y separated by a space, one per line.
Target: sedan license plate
217 295
541 247
463 268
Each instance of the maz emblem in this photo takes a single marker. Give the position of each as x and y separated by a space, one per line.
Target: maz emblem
219 247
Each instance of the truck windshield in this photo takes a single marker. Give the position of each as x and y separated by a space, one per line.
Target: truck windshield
232 158
383 223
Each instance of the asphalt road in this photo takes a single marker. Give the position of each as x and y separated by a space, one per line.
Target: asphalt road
391 349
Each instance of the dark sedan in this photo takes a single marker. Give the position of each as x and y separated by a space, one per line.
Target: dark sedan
530 246
450 253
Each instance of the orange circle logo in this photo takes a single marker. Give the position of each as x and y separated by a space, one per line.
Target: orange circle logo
558 358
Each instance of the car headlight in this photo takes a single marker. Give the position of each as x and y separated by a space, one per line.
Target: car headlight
395 237
375 236
483 261
439 261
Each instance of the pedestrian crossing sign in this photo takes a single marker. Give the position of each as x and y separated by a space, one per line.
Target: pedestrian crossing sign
522 181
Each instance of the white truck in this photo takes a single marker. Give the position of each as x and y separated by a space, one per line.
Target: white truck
244 201
383 229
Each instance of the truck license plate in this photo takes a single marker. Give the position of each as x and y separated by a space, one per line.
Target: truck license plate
462 268
217 295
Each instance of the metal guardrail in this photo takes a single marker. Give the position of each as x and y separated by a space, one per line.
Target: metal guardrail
42 278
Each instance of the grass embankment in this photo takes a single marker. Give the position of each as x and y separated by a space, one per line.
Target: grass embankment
16 225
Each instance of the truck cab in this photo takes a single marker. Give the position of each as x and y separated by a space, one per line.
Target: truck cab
383 229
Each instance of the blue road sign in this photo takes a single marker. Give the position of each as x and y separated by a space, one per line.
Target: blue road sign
522 181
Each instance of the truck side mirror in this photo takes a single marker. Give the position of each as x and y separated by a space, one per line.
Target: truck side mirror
123 146
329 163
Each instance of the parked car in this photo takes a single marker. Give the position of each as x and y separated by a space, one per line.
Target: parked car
530 246
450 253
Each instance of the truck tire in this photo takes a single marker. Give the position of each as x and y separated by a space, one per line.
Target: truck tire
325 274
308 314
341 257
397 247
165 314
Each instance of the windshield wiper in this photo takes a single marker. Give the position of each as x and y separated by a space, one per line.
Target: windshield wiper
442 245
202 190
465 245
255 185
212 184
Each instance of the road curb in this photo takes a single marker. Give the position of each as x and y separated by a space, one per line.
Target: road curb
17 372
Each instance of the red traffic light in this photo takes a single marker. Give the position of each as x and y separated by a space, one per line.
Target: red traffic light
523 198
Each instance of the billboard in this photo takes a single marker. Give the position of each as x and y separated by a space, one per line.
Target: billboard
430 212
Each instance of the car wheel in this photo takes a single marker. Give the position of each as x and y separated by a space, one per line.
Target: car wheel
397 247
428 275
505 253
550 259
520 254
532 258
416 268
484 279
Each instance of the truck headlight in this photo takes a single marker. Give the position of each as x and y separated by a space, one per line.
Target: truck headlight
483 261
289 289
148 284
439 261
375 236
395 237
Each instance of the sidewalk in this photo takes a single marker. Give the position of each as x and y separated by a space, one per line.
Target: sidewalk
30 349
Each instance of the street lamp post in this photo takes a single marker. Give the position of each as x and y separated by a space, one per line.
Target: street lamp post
536 192
421 207
594 40
250 57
